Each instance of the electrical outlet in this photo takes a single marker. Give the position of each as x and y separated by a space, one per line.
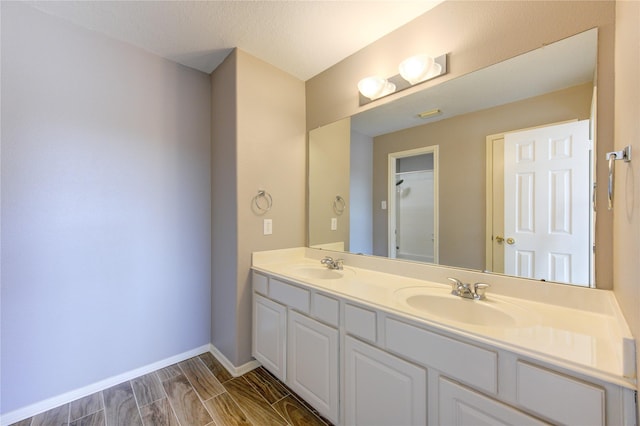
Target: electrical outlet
383 205
334 223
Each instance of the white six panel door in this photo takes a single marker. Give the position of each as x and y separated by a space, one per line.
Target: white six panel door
547 203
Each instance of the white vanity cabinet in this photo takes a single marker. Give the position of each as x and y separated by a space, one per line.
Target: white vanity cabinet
295 336
360 364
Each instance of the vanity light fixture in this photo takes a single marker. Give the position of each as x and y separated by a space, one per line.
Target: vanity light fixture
413 70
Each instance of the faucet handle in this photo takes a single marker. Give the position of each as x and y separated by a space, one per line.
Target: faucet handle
455 285
480 289
339 264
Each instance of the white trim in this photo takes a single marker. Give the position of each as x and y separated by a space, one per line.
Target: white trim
56 401
233 370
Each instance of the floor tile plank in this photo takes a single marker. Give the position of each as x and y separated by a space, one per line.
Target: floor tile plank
185 402
201 378
225 411
95 419
55 417
120 406
159 413
173 396
257 409
168 372
295 413
84 406
266 385
147 389
216 367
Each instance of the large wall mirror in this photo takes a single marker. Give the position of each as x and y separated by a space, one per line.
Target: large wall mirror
491 171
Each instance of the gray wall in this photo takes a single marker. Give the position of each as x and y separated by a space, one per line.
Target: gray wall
258 142
627 186
105 207
224 217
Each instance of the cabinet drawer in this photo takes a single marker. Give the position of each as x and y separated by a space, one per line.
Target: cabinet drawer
292 296
360 322
326 309
260 283
558 397
470 364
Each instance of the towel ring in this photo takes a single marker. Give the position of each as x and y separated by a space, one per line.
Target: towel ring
625 155
262 201
339 204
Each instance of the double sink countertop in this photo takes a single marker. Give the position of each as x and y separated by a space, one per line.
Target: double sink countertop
576 328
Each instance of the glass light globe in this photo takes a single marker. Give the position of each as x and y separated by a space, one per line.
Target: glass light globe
374 87
417 68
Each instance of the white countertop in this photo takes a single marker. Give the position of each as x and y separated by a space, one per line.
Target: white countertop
579 329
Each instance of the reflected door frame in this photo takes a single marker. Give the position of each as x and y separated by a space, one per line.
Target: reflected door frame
391 196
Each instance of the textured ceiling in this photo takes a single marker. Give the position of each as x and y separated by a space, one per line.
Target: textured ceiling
300 37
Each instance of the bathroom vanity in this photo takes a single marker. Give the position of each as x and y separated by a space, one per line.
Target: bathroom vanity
385 342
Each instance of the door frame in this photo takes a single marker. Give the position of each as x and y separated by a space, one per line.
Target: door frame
391 197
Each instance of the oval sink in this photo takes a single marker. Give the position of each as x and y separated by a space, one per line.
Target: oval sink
321 272
485 313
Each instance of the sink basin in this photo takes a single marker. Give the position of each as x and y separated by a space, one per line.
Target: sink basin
486 313
321 272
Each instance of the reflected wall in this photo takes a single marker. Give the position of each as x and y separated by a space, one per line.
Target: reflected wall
462 141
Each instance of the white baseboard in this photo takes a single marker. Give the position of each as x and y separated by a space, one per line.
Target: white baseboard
56 401
232 369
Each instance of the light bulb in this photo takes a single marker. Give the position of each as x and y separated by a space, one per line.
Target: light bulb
418 68
375 87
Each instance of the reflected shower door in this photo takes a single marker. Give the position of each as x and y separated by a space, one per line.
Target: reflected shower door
415 209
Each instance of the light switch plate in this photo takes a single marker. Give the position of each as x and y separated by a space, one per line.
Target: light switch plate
267 226
383 205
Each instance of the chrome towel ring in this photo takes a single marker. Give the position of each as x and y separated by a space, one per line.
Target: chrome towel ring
339 204
262 202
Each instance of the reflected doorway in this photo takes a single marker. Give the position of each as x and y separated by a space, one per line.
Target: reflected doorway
539 210
413 205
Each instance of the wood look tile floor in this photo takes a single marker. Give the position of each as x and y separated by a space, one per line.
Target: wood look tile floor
195 392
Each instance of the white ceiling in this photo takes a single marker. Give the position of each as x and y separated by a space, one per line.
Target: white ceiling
302 37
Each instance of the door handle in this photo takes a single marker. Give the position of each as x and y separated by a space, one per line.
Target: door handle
500 239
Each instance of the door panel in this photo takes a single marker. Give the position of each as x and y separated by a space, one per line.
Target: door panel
547 203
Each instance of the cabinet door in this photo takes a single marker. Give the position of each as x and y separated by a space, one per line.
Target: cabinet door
381 389
461 406
270 335
312 363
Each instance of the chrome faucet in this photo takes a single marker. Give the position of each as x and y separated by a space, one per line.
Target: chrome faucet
332 264
458 288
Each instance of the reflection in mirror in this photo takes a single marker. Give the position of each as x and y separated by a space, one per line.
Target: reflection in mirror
477 114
